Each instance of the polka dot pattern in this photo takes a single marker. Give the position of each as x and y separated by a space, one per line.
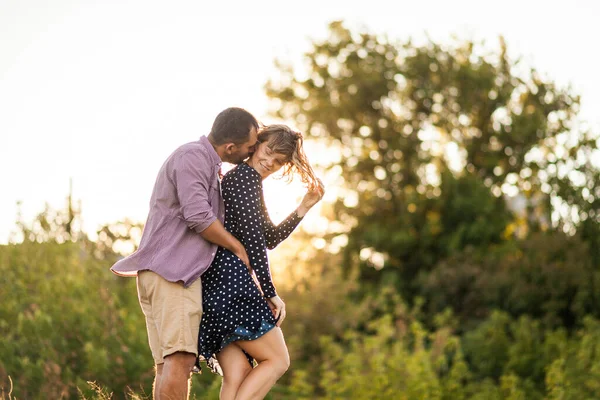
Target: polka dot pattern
234 302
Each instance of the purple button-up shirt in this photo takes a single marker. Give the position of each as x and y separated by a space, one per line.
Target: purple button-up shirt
186 199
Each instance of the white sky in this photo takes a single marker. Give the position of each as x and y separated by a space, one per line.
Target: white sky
103 91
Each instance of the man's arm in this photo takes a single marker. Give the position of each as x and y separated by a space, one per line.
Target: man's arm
190 175
217 234
192 182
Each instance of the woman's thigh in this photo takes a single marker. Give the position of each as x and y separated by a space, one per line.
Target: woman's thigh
270 346
234 363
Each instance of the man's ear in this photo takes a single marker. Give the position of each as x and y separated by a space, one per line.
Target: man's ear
230 148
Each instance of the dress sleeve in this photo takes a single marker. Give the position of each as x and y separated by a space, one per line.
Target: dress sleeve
242 192
275 234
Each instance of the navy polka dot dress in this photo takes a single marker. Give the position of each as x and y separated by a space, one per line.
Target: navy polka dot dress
234 306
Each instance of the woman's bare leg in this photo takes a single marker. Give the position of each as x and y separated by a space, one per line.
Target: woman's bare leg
273 360
235 368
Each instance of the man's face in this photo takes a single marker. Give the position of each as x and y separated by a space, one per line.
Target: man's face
239 152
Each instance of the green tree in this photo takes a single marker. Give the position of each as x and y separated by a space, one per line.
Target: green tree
407 119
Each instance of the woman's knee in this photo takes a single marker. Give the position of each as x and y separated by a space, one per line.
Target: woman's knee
282 363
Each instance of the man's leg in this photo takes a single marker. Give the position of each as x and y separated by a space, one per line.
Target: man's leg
175 313
157 379
145 288
175 382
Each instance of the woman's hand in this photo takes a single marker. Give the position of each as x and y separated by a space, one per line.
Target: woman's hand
312 197
277 306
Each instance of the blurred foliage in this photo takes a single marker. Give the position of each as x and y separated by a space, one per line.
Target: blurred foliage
460 261
66 320
549 276
70 329
408 119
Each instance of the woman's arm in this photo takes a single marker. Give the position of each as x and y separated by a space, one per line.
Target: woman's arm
275 234
242 192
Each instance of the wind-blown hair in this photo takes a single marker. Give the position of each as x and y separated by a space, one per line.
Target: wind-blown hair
283 140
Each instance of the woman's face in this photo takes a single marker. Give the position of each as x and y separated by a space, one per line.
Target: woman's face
265 161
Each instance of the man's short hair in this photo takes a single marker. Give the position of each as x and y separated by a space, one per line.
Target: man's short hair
233 125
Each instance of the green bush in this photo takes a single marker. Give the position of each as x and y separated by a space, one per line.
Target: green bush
548 276
66 320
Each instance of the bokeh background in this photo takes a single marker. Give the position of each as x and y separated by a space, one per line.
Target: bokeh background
456 254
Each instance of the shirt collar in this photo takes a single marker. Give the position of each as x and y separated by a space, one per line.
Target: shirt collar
214 157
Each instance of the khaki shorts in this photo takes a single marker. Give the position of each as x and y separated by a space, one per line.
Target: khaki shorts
172 313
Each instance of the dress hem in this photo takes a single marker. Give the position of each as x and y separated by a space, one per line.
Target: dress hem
239 333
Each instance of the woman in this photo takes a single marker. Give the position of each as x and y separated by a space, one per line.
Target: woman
242 318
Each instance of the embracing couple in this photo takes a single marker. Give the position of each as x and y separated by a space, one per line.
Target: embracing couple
203 276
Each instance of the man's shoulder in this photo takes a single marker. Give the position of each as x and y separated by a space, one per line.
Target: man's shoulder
189 155
193 152
191 147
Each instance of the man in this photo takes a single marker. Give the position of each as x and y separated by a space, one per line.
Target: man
180 238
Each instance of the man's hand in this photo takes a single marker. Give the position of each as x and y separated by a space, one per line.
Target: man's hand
241 253
277 306
217 234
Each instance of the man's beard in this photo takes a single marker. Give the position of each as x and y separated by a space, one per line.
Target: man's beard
238 160
241 160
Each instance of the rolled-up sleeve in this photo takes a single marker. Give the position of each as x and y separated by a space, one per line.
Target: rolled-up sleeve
192 173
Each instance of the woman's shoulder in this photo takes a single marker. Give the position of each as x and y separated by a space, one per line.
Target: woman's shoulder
242 182
242 172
